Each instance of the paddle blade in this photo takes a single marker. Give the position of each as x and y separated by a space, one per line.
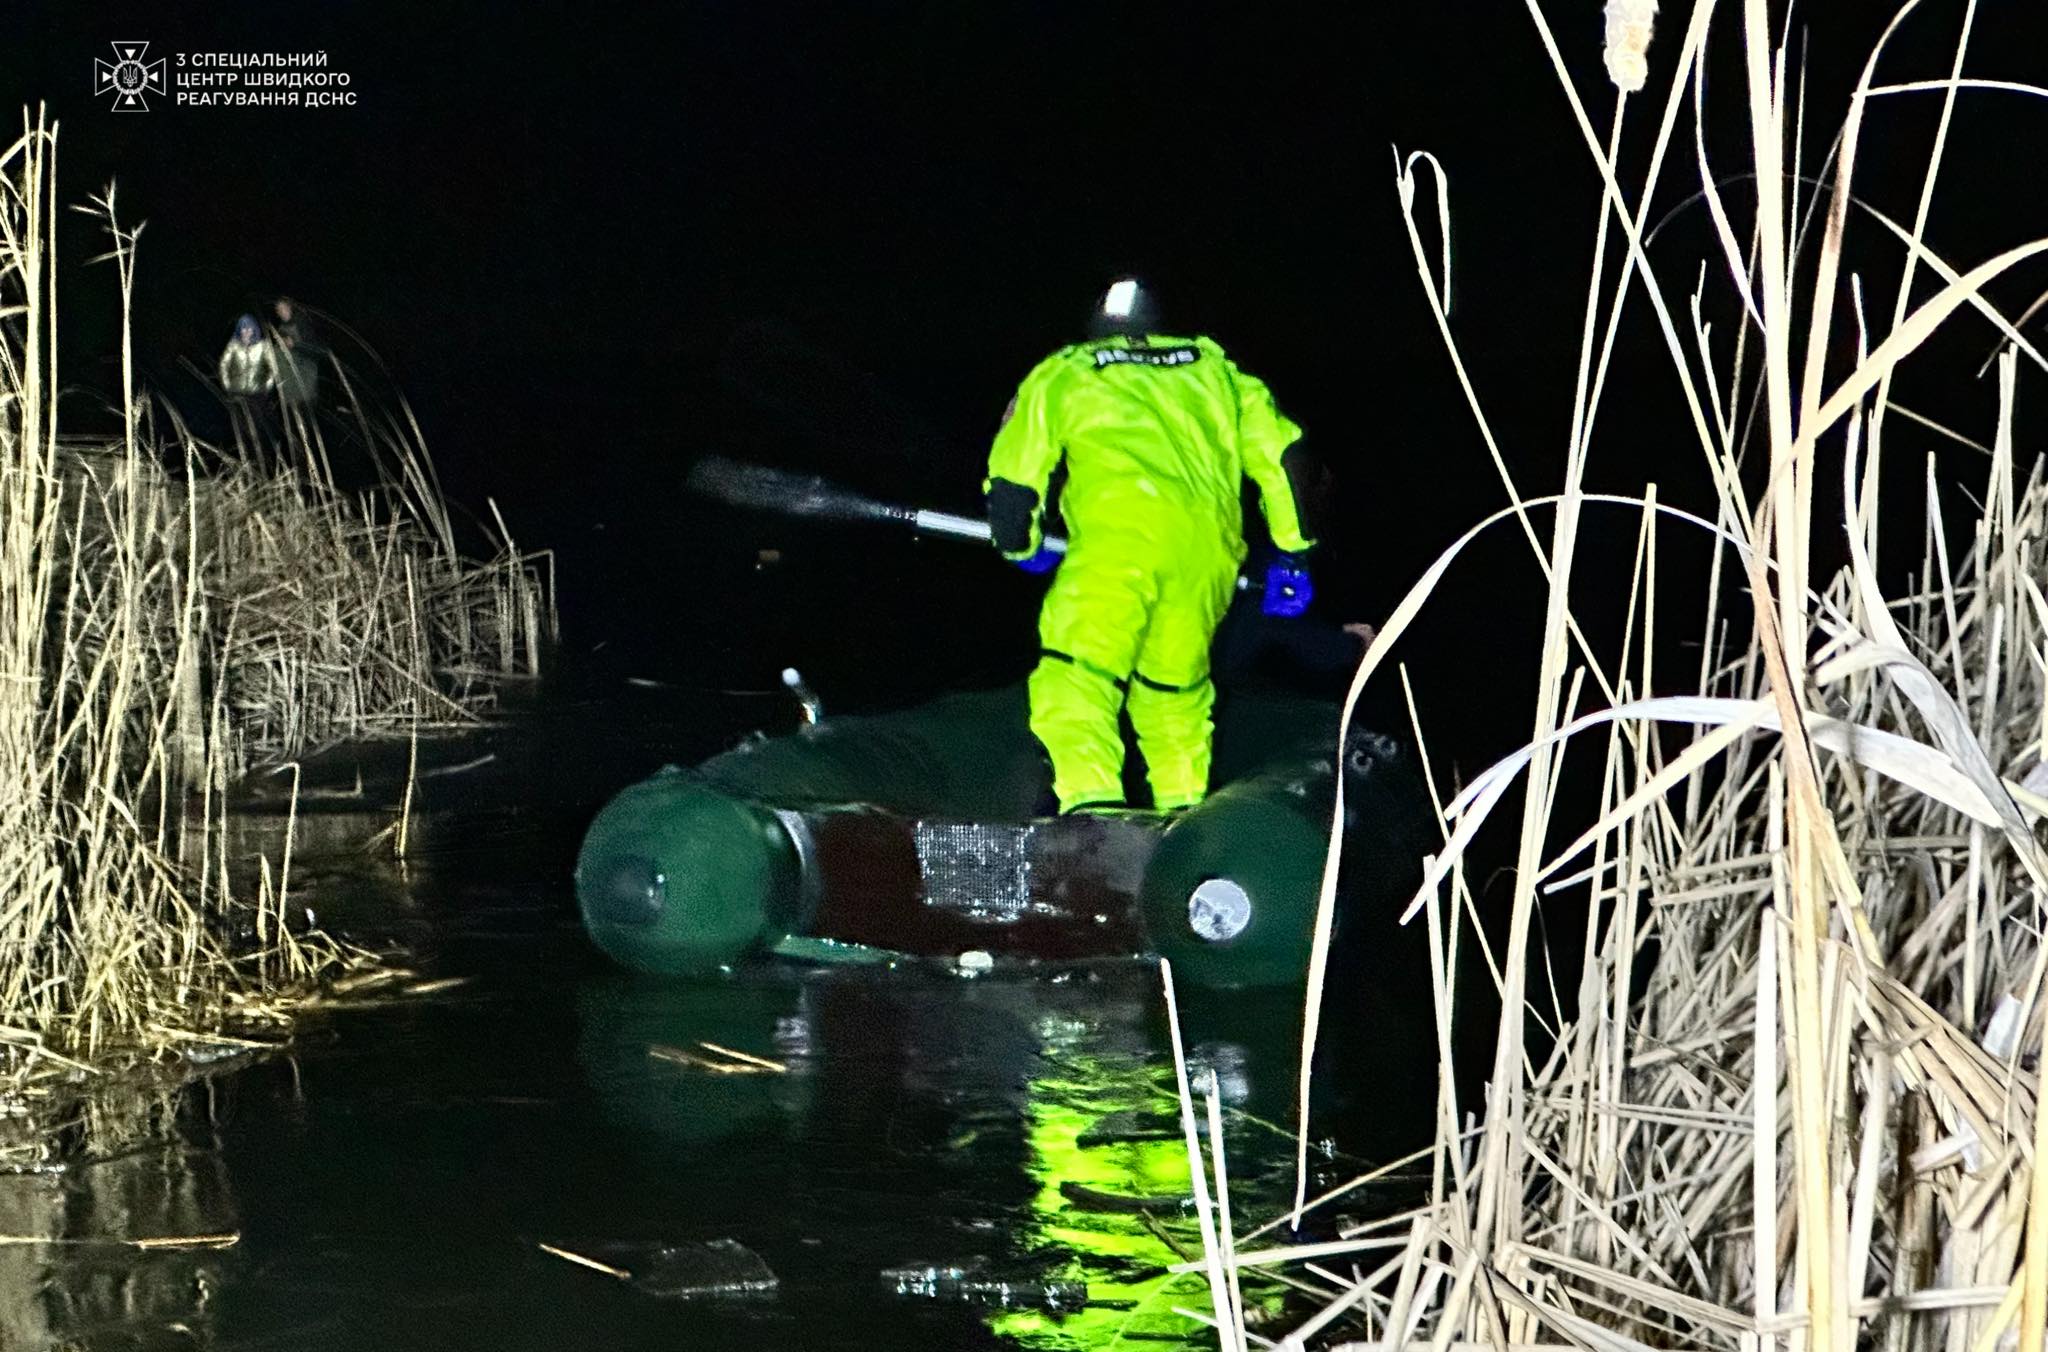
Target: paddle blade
773 490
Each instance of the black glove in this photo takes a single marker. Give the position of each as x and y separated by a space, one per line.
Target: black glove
1012 508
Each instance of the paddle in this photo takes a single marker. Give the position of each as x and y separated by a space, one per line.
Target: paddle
807 495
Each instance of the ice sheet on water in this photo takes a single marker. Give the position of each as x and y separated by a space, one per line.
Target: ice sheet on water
975 1282
714 1269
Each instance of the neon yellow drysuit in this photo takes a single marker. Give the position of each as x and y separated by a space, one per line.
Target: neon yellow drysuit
1158 435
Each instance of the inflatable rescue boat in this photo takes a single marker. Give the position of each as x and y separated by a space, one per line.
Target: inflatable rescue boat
914 833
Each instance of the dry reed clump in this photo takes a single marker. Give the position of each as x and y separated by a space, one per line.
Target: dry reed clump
342 617
163 632
1795 1102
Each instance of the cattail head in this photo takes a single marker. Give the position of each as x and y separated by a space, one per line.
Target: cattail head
1629 27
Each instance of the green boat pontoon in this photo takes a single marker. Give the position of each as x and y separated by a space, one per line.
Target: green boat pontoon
913 833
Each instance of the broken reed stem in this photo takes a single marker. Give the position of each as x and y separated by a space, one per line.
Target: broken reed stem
616 1273
1219 1291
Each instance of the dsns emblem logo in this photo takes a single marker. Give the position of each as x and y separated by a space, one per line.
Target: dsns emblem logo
128 77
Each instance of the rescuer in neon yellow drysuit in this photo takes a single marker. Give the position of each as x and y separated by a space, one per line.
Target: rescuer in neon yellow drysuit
1157 434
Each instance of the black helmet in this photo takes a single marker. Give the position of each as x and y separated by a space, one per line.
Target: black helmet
1127 308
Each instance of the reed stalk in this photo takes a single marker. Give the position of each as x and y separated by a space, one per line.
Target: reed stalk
174 616
1795 1100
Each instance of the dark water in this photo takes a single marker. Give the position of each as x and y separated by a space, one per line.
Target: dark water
947 1161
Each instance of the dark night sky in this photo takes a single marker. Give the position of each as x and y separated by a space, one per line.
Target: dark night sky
559 225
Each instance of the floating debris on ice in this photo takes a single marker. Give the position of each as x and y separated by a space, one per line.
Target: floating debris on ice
1130 1124
720 1060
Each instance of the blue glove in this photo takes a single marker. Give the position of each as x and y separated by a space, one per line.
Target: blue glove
1044 561
1288 588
